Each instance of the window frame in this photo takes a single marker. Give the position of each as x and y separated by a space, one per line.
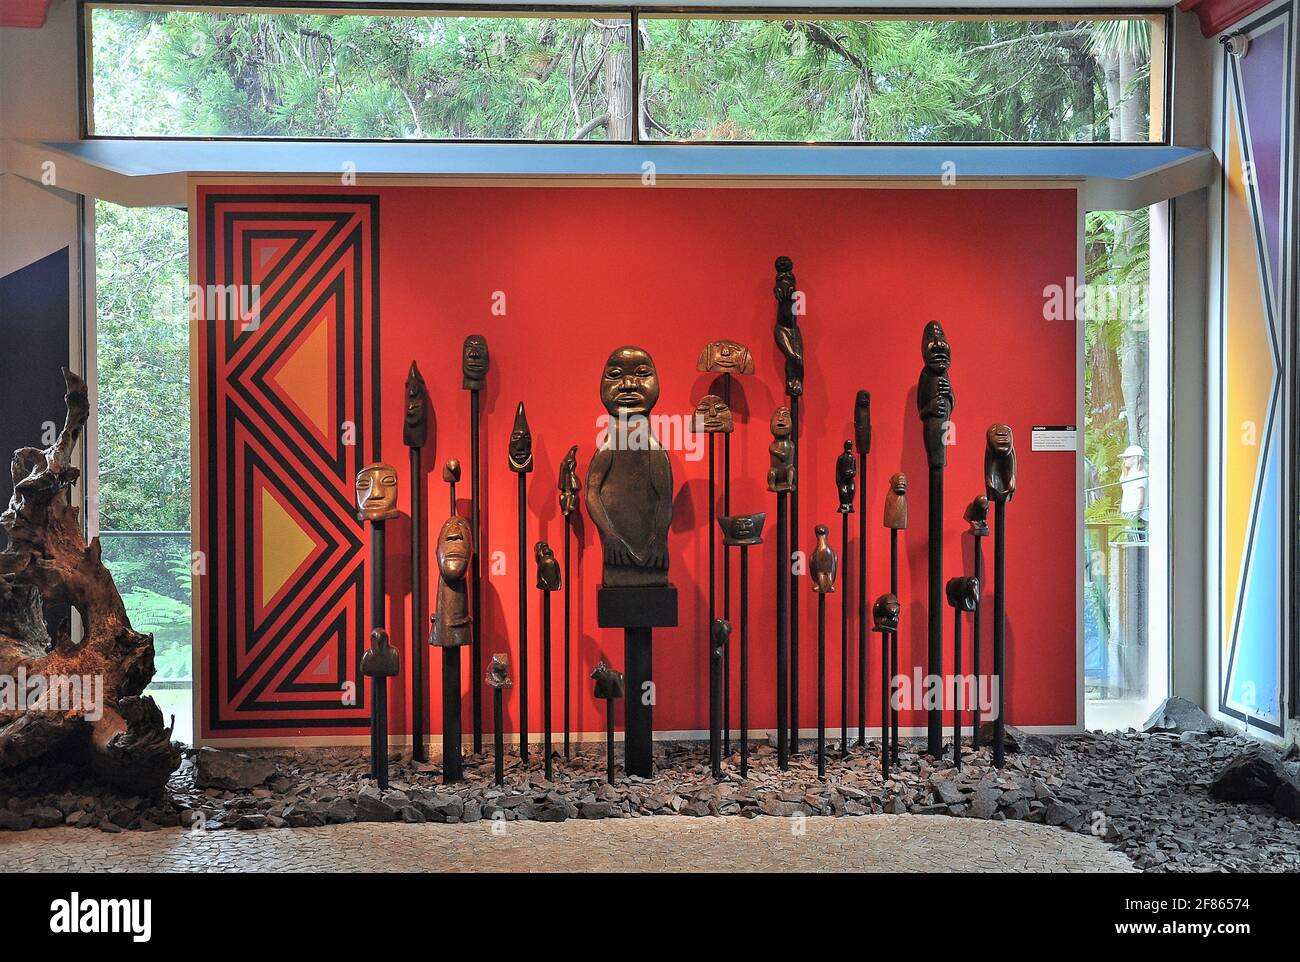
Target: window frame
634 13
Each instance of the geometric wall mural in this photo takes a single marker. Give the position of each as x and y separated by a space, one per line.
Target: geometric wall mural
1254 337
286 411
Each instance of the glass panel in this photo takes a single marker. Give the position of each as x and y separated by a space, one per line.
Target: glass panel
143 407
193 72
1126 446
907 80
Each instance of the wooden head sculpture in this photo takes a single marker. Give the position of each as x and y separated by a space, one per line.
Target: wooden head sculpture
474 362
896 502
415 420
377 492
548 569
1000 464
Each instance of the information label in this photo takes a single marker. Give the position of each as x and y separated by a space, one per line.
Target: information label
1055 437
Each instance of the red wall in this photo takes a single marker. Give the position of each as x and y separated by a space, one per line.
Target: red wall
585 270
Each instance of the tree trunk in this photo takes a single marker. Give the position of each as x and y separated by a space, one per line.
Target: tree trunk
112 728
618 81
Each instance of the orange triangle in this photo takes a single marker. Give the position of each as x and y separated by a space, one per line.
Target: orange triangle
304 376
283 549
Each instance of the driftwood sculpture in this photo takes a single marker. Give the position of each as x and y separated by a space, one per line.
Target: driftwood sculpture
80 702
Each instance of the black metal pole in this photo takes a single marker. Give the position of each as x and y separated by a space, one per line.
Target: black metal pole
934 647
794 581
890 667
862 600
638 714
744 661
957 705
821 682
844 640
498 735
715 682
884 705
523 618
378 684
419 690
568 530
546 682
609 740
975 641
451 760
726 575
715 713
999 628
782 630
476 577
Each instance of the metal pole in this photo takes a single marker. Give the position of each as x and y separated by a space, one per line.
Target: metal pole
498 735
378 684
476 577
934 647
715 713
522 564
794 582
958 706
862 600
821 681
715 682
999 628
546 683
884 705
726 575
844 640
609 740
890 666
744 661
975 641
419 691
568 531
451 760
782 631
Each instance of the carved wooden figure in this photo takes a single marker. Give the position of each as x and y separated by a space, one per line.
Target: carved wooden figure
452 620
521 443
377 492
609 687
567 482
977 514
862 442
823 564
781 472
1000 486
498 679
725 357
885 614
415 431
630 480
789 339
846 471
742 529
934 398
1000 464
474 362
896 502
712 416
548 581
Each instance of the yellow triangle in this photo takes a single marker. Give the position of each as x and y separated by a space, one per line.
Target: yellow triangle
1249 375
285 546
304 377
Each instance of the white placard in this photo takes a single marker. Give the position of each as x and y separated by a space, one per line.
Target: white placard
1055 437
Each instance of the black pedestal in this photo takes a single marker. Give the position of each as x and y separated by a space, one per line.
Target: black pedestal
637 610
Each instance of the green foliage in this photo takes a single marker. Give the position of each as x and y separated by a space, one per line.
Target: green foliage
557 78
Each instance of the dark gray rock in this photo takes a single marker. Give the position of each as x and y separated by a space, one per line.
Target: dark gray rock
1286 797
250 822
1253 775
1177 714
946 790
372 806
232 771
1019 741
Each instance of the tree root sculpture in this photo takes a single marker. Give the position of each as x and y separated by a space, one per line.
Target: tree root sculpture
74 705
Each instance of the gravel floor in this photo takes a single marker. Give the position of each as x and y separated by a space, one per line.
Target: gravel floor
1146 794
887 843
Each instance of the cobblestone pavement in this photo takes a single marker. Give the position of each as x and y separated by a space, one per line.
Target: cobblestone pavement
662 843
